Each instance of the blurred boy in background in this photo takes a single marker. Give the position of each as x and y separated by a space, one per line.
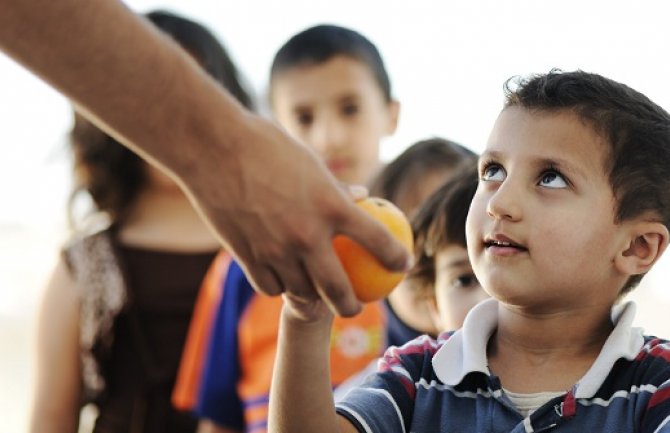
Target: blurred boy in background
408 181
329 89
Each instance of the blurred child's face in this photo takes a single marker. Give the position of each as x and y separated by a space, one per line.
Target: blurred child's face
337 108
413 306
410 303
411 195
456 287
541 230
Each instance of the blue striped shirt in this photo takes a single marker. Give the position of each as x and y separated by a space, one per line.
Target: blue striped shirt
444 385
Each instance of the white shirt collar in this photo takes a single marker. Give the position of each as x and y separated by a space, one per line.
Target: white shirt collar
465 351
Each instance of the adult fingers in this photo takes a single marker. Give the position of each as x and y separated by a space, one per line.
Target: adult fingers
263 279
331 281
296 281
374 237
356 192
282 277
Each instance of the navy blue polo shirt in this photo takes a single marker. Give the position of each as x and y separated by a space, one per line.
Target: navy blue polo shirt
444 385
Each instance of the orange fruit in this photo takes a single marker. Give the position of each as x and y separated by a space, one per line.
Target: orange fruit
370 280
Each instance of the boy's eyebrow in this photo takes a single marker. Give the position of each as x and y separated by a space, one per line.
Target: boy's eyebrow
305 106
348 97
489 154
541 162
563 165
301 108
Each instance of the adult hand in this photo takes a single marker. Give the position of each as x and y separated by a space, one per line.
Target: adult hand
271 202
277 209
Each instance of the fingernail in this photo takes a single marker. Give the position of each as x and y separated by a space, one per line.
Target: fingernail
409 263
357 192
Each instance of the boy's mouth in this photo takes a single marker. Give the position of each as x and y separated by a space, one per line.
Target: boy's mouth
501 244
337 165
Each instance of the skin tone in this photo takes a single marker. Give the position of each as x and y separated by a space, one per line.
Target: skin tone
161 218
413 307
279 225
57 350
456 288
338 109
540 174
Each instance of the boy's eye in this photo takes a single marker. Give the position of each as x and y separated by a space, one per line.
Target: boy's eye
552 179
349 109
305 118
493 173
465 281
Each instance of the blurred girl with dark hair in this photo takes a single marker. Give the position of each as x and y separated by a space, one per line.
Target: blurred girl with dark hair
117 307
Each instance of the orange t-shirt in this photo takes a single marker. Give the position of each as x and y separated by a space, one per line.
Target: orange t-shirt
237 368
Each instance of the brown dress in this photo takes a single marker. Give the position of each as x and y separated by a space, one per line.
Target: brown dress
136 309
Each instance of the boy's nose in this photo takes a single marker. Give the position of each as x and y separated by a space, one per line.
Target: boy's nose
328 135
505 203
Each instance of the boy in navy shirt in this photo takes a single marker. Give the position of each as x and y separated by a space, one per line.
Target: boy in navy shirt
571 210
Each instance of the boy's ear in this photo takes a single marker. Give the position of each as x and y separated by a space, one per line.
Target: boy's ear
648 241
394 116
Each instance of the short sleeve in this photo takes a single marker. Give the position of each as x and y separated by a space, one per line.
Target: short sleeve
384 403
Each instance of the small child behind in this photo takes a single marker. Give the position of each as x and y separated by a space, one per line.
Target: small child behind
572 209
442 269
442 281
408 181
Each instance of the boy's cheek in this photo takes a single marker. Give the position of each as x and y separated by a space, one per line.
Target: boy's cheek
473 226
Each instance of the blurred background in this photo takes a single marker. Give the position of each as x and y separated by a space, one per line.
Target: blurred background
447 60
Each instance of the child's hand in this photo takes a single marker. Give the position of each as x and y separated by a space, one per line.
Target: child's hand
303 310
312 308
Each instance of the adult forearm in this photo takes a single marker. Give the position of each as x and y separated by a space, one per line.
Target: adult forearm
117 67
268 198
301 398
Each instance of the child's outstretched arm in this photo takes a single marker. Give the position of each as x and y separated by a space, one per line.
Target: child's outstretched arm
301 399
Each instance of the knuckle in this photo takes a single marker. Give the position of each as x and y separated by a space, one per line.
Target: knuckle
269 252
306 237
264 284
338 296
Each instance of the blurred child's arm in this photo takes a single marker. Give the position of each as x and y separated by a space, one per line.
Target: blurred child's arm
301 399
56 405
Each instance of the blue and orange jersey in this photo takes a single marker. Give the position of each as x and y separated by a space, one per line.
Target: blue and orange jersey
189 375
237 369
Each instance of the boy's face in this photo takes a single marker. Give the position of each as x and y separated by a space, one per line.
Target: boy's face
337 108
541 230
457 289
